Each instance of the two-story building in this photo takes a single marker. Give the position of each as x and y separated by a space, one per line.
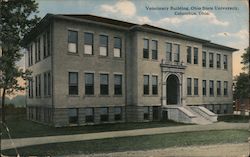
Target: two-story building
90 70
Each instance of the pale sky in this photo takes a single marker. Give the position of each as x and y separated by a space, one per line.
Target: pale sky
226 27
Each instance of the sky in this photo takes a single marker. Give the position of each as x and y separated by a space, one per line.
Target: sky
226 27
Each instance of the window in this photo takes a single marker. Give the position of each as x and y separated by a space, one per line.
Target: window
211 60
37 50
225 61
117 47
46 84
169 51
104 114
31 88
89 84
38 85
89 117
204 59
73 116
154 50
146 113
189 86
45 45
218 61
211 88
30 55
204 87
118 113
48 43
196 87
146 85
45 89
189 54
154 85
72 41
88 43
195 55
104 84
73 83
49 84
146 48
225 88
103 45
118 84
218 88
176 52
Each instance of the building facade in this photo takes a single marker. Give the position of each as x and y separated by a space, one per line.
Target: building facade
91 70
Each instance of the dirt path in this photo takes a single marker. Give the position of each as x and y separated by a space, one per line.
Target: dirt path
220 150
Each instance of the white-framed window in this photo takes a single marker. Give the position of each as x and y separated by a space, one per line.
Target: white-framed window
117 47
72 41
103 45
88 43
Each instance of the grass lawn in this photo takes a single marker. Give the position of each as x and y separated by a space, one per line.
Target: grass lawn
234 118
20 127
135 143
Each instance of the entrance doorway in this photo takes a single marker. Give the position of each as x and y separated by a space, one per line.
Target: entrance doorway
172 89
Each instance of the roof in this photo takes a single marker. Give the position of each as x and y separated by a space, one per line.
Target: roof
116 23
100 19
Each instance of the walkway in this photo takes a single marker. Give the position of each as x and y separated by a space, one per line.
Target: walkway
21 142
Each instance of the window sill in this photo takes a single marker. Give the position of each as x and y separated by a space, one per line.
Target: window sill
73 53
38 97
118 58
155 60
155 95
89 95
150 95
145 59
73 95
193 95
117 95
100 56
88 55
104 95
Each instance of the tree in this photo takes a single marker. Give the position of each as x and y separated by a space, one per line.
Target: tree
18 17
242 89
246 60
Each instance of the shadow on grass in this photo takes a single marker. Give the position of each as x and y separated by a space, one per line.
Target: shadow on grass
20 127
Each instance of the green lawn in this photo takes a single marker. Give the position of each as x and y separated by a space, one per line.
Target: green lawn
20 127
135 143
234 118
